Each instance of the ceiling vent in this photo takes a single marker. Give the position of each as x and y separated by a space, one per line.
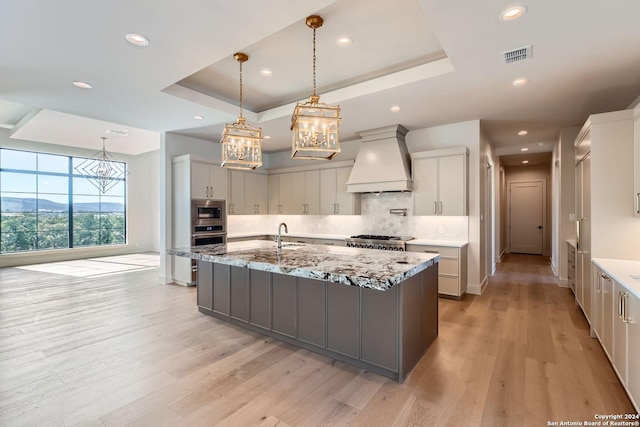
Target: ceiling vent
517 55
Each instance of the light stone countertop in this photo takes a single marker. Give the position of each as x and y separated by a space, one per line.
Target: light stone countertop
368 268
626 272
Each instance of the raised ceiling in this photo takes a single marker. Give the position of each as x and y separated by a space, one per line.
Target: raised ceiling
440 61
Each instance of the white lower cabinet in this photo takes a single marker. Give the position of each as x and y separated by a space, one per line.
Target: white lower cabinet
616 323
452 268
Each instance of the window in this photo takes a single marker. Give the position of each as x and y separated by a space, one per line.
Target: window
46 204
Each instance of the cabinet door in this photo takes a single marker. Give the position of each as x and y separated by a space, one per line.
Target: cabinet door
273 194
342 318
255 199
596 319
298 190
205 284
311 311
328 192
312 192
619 334
236 193
221 289
452 185
199 180
260 297
286 190
347 203
636 165
425 186
240 293
379 324
283 296
608 312
217 182
633 347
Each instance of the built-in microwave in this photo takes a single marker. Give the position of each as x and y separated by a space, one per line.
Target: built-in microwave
206 212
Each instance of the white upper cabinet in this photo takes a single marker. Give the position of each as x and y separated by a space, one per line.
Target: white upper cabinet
305 192
208 181
334 199
440 182
636 157
247 193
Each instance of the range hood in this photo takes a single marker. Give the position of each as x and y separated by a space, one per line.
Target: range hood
382 163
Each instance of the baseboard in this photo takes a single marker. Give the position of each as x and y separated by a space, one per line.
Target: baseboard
563 283
554 268
500 257
477 289
165 280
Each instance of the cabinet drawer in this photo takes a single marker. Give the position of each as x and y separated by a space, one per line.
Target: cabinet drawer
448 285
448 265
442 250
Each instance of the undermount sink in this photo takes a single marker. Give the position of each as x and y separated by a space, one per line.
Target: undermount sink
291 245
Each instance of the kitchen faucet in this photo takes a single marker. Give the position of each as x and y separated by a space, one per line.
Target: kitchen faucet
279 236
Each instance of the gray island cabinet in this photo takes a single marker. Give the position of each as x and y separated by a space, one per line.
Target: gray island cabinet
377 310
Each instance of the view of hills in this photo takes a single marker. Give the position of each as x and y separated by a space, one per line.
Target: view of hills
16 204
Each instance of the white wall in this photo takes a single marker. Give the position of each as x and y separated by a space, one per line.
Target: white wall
465 134
142 192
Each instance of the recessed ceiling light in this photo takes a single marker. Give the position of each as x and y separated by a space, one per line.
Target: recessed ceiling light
522 132
525 161
524 149
541 143
137 39
198 117
266 72
395 108
266 137
520 81
513 13
344 41
82 85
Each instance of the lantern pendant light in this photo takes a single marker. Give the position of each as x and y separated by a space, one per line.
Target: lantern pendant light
315 125
241 143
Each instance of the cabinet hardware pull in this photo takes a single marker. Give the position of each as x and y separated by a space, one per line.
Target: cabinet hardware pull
625 302
620 304
435 208
337 208
440 207
638 203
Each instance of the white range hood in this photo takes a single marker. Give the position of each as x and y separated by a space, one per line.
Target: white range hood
382 163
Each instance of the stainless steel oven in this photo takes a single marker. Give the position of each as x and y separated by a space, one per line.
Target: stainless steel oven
206 212
208 225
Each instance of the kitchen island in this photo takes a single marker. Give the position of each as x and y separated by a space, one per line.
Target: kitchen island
377 310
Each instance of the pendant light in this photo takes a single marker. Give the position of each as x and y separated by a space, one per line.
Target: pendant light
241 143
315 125
103 170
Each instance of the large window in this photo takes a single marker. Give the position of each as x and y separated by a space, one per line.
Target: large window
46 204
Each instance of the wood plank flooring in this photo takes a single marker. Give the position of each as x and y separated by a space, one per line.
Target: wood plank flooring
102 343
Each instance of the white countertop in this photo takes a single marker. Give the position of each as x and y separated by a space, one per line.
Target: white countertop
622 271
428 242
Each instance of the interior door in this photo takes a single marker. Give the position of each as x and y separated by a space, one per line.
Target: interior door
526 215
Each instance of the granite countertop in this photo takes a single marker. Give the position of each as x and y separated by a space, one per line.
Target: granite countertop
368 268
626 272
422 242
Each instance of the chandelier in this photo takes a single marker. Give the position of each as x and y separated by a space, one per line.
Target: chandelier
103 170
241 143
315 125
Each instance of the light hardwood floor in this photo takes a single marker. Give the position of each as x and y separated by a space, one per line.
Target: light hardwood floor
101 343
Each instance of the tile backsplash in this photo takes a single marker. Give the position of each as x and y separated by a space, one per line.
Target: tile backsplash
375 219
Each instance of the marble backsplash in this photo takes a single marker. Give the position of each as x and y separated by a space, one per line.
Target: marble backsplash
375 219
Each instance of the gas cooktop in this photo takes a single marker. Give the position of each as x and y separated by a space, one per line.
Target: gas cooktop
381 237
374 241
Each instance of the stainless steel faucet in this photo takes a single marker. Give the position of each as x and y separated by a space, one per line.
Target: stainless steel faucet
279 236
